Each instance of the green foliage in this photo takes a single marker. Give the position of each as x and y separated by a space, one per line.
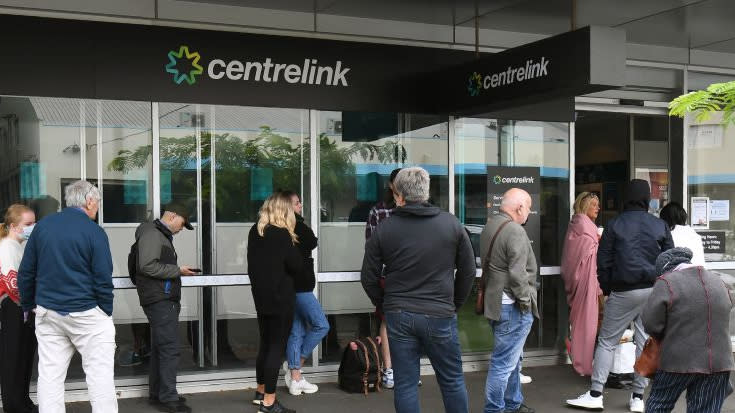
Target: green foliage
718 97
236 157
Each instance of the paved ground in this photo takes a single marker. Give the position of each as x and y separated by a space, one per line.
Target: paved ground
550 387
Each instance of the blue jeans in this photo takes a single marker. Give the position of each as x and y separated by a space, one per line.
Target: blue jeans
410 335
503 385
309 327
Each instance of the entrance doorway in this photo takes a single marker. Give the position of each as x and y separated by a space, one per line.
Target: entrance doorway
611 148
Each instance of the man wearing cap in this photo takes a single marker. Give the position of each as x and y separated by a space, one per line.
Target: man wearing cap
158 281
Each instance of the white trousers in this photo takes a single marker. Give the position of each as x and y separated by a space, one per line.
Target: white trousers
90 332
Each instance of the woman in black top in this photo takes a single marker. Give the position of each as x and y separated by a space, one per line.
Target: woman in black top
309 323
274 261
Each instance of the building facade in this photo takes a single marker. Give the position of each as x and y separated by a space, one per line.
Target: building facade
217 105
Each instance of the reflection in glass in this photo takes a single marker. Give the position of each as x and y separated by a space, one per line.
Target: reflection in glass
484 143
357 152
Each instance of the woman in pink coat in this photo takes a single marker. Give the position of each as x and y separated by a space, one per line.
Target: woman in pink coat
579 271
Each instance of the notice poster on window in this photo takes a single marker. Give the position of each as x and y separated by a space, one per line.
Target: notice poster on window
699 212
719 210
503 178
658 180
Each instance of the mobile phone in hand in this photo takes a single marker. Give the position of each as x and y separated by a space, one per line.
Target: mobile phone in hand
195 269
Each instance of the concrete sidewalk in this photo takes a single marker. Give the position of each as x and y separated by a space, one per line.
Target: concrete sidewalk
550 387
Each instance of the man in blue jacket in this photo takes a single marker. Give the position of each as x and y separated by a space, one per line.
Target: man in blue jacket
66 278
626 268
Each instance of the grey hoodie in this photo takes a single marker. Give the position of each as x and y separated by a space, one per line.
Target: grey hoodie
420 247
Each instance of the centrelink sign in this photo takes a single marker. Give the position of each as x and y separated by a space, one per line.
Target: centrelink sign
499 180
531 70
562 66
310 72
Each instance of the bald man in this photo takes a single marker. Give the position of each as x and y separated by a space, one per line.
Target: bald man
509 271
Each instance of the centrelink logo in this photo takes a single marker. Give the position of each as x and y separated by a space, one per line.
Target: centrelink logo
497 179
531 70
307 73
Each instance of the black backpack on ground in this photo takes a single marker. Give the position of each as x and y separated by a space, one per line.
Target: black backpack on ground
133 261
361 369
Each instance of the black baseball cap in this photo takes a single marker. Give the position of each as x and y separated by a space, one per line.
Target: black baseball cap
182 211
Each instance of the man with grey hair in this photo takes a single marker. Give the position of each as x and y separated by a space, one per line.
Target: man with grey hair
417 251
66 278
509 274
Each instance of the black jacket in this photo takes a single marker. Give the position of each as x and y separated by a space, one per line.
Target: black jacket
307 242
158 277
626 258
273 263
420 247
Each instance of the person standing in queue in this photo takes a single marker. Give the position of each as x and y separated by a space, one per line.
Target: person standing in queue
309 324
158 281
17 336
273 262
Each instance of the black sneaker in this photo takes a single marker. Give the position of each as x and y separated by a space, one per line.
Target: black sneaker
276 407
258 398
154 399
522 409
173 407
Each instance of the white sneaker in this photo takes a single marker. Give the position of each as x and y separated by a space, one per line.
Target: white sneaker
388 382
287 374
636 405
586 401
302 386
525 379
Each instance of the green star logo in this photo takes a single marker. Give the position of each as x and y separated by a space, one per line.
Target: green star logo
174 58
497 180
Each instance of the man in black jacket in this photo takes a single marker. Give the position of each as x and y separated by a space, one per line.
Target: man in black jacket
158 281
420 247
626 268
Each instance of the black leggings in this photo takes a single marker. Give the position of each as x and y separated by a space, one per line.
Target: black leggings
274 332
17 348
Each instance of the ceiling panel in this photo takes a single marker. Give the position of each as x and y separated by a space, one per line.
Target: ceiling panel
613 13
285 5
530 16
417 11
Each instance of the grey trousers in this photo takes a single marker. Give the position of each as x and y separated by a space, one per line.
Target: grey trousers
621 309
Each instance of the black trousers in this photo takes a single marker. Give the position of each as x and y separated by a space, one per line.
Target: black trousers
274 332
163 317
17 350
705 392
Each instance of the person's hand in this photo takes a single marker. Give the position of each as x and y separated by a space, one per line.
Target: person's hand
186 270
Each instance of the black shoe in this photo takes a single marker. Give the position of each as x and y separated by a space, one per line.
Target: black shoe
173 407
522 409
154 399
258 398
276 407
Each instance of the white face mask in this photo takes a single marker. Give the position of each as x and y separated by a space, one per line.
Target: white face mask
26 233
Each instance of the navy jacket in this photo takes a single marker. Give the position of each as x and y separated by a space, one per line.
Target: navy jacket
67 266
626 258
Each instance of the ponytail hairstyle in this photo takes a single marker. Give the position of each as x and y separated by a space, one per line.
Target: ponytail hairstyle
13 216
278 211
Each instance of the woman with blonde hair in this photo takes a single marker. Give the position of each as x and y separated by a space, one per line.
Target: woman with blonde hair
579 272
17 336
273 263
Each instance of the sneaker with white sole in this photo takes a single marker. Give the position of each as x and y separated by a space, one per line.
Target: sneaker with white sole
388 382
287 374
636 405
302 386
525 379
586 401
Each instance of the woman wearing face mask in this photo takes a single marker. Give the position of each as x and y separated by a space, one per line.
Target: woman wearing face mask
17 336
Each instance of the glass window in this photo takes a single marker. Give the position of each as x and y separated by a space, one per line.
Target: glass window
710 177
40 150
491 152
357 152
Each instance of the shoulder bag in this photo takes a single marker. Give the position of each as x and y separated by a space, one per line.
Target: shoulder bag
480 301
